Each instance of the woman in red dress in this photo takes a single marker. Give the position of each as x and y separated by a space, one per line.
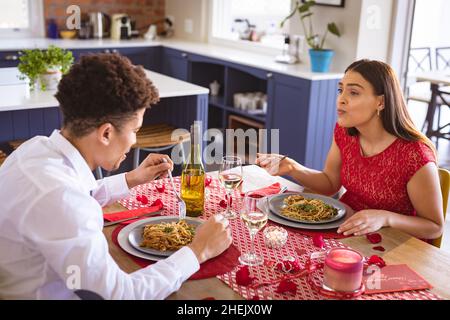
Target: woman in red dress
387 167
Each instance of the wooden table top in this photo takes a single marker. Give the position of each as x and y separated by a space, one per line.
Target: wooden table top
430 262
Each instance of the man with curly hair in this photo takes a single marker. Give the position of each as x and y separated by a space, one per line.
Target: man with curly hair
51 205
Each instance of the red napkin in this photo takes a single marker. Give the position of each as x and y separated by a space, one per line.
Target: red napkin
221 264
272 189
157 205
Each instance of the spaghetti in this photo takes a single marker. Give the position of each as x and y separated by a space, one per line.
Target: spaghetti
300 208
167 236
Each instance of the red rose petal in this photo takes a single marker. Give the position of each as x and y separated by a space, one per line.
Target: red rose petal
287 286
144 199
243 276
158 202
208 180
376 260
374 238
138 198
255 298
379 248
161 189
318 241
223 204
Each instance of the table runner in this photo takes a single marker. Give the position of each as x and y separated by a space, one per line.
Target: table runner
297 242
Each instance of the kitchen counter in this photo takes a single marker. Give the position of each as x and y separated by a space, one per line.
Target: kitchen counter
15 94
262 61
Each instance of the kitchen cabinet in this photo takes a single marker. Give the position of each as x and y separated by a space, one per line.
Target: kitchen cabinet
175 64
9 59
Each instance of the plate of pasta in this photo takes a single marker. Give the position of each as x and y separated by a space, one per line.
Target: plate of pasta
307 208
162 236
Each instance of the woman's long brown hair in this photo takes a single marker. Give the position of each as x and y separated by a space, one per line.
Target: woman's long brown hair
395 116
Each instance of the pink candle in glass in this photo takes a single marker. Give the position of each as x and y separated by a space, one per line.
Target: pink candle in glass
343 270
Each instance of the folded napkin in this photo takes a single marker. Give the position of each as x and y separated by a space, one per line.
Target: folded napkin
155 206
267 191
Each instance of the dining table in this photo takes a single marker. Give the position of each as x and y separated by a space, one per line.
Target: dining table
430 262
437 80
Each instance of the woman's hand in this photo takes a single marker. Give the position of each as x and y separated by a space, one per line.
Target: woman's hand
364 222
273 164
152 167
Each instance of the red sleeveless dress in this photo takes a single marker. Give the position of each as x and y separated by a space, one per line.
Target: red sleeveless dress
379 182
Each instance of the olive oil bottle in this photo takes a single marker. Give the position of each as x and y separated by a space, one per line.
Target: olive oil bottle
193 176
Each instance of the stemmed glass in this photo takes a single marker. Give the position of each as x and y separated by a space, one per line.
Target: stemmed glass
254 215
230 175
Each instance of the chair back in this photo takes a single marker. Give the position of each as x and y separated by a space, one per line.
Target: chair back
444 177
443 58
419 60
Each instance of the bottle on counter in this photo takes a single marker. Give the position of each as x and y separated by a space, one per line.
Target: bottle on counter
193 176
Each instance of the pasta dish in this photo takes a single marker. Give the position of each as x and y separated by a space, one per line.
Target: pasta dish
300 208
167 236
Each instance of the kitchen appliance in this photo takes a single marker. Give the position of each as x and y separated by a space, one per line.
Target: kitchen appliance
100 23
120 26
291 50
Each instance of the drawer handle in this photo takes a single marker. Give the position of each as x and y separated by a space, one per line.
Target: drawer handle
11 57
184 55
270 75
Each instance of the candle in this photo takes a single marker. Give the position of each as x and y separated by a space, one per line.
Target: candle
343 270
275 237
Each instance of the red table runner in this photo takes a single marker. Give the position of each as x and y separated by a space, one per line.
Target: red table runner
297 242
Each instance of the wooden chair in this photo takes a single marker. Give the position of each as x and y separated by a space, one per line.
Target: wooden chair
2 157
157 138
444 177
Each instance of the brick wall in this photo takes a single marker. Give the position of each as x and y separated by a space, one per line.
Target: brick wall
144 12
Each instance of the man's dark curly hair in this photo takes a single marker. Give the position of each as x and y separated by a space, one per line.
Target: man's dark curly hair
103 88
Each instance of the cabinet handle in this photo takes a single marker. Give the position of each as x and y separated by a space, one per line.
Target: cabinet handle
270 75
184 55
106 51
11 57
114 51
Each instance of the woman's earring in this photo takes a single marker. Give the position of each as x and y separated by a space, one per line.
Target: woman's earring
378 112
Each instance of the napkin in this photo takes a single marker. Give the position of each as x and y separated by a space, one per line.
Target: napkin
157 205
267 191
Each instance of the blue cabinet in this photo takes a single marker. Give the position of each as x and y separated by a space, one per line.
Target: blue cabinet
9 59
175 64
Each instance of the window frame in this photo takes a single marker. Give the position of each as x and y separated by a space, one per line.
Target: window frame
36 28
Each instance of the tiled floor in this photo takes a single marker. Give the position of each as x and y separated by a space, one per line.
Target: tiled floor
418 111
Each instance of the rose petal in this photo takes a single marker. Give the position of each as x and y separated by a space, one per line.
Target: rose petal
161 189
138 198
288 266
144 199
374 238
223 204
379 248
255 298
208 180
287 286
376 260
243 276
158 202
300 252
318 241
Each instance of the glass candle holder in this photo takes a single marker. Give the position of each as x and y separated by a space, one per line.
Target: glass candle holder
343 270
275 237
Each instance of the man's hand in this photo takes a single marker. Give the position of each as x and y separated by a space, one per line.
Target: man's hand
152 167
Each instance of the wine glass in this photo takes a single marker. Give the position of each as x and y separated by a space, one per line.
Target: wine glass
230 175
254 215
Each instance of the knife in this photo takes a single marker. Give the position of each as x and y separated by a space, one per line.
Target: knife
111 223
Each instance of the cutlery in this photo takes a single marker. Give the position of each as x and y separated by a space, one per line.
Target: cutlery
111 223
181 203
282 190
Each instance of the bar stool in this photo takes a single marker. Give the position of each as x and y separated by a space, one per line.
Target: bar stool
2 157
157 138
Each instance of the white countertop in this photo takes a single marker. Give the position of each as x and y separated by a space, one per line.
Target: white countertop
15 93
262 61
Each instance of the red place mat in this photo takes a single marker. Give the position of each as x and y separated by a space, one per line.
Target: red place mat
219 265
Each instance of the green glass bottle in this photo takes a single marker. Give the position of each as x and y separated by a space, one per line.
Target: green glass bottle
193 176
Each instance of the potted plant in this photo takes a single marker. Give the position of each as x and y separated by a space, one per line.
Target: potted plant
320 57
44 67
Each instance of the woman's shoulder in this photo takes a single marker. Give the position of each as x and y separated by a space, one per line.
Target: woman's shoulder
415 155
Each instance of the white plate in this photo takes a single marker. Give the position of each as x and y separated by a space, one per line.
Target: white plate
122 239
276 204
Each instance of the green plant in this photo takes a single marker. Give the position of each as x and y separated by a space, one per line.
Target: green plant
312 38
35 62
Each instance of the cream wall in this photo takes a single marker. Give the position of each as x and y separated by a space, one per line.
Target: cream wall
193 10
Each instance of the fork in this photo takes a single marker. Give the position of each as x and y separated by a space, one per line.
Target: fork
181 203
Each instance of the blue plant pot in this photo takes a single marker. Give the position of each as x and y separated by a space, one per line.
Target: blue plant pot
321 60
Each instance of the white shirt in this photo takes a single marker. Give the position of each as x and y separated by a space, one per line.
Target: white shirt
51 227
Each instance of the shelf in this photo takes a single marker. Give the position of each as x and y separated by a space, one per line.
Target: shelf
217 101
260 118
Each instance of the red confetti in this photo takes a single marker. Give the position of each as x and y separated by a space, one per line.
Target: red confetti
379 248
376 260
144 199
374 238
287 286
243 276
161 189
318 241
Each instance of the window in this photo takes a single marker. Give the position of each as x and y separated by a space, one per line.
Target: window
250 21
21 18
